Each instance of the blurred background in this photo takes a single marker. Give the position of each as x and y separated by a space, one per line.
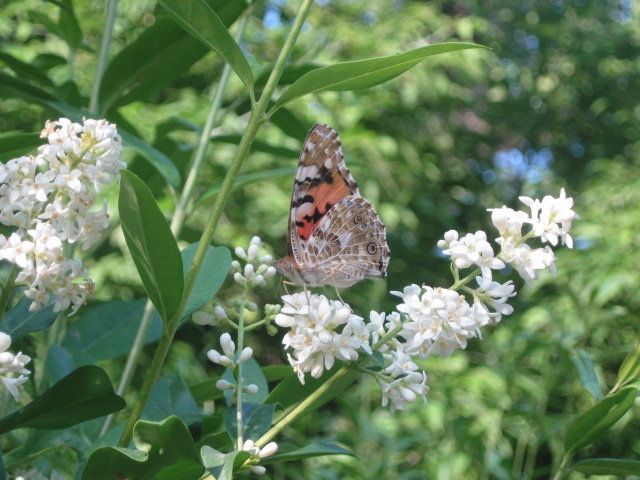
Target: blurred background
553 105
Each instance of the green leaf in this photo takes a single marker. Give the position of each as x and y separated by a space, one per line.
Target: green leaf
367 73
165 451
290 391
155 157
14 145
252 374
69 24
629 371
84 394
256 419
12 87
588 377
108 330
59 363
211 276
201 21
273 373
156 58
316 449
171 396
592 424
26 71
152 245
247 179
607 466
221 465
19 321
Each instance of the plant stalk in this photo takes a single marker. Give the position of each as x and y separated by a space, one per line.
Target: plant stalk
299 409
240 381
256 119
103 59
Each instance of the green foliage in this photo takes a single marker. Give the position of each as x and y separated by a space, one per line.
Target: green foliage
551 105
165 450
152 245
84 394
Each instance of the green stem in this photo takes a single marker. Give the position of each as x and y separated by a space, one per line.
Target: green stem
460 283
253 326
256 119
103 59
152 373
132 360
212 119
239 392
299 409
561 472
6 290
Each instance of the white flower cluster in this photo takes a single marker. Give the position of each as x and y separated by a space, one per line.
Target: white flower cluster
550 221
10 365
429 320
48 200
229 359
257 270
321 331
258 454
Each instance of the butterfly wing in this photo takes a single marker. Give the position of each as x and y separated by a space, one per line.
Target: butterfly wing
348 244
322 180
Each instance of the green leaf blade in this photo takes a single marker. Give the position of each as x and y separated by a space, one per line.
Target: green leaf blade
84 394
201 21
358 74
592 424
152 245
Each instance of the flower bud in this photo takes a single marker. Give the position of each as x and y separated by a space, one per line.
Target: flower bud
5 341
268 450
450 236
266 259
227 345
202 318
239 279
258 470
251 306
236 265
241 253
255 240
249 270
224 385
251 389
246 354
219 313
252 252
248 445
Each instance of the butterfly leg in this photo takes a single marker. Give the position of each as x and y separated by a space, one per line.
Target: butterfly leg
339 297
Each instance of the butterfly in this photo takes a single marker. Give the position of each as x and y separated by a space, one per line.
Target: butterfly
335 236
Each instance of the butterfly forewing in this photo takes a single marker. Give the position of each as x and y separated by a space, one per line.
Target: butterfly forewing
322 180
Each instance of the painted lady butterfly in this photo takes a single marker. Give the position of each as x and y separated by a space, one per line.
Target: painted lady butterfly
335 236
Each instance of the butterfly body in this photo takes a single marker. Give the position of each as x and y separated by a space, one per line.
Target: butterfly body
335 235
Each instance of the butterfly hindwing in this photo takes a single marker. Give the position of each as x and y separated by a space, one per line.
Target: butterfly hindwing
322 180
349 243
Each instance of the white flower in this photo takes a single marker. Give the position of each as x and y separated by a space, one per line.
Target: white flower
495 295
508 221
401 382
440 320
551 218
10 365
472 249
202 318
527 261
322 330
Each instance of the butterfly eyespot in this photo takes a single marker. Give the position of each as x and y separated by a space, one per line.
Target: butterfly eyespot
358 218
370 235
363 226
371 248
